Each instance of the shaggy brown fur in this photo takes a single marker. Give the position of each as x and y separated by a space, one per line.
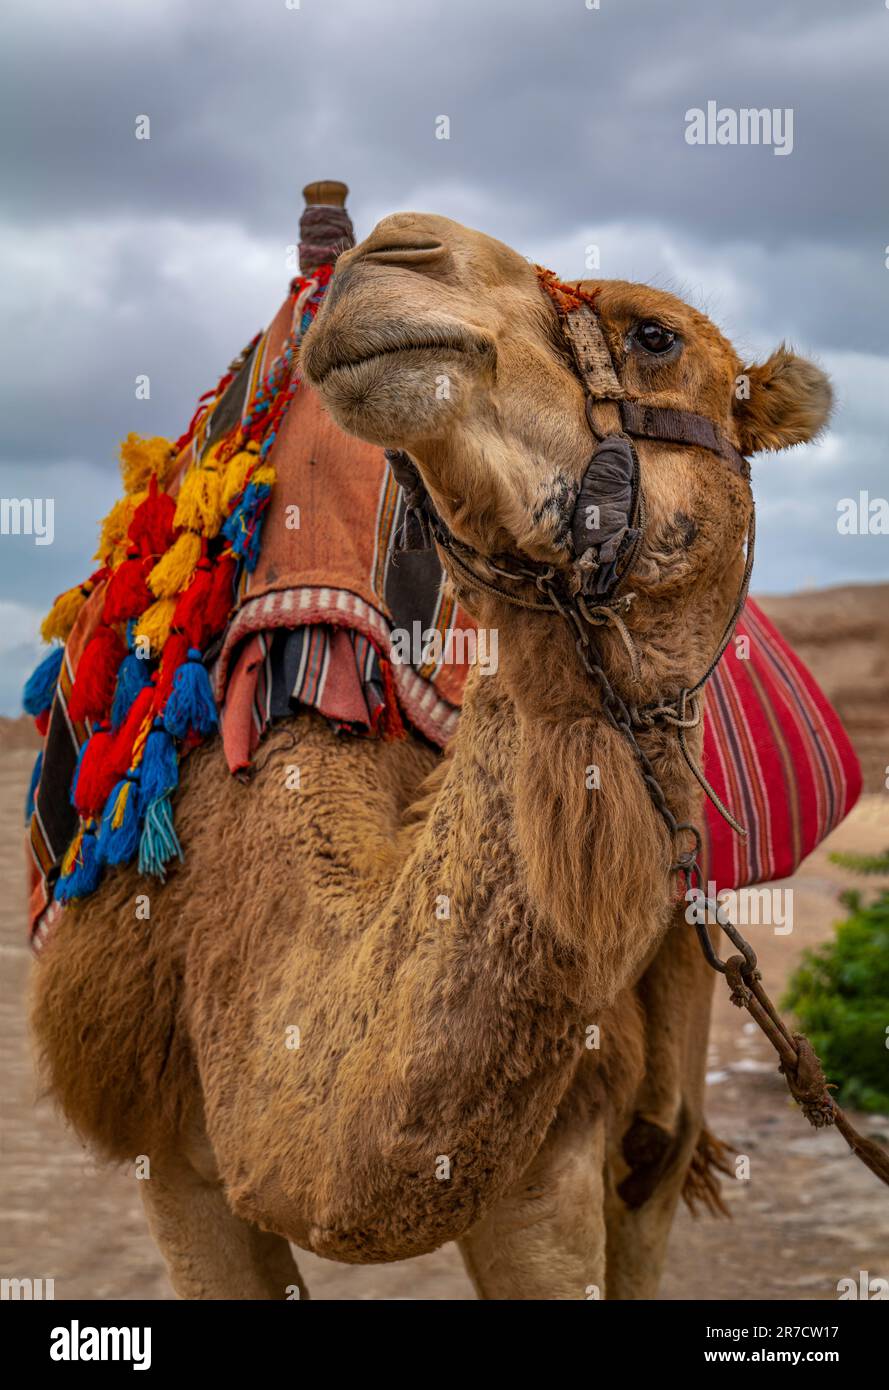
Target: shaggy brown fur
443 934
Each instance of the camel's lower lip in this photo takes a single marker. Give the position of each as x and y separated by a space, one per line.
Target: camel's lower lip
380 353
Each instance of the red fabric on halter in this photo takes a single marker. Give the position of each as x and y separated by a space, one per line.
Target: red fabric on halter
565 297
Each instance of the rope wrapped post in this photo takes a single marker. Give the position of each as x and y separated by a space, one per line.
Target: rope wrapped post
325 228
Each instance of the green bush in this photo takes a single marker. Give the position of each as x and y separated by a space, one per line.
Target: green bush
840 996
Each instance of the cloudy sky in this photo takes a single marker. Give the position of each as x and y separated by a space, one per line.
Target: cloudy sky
123 257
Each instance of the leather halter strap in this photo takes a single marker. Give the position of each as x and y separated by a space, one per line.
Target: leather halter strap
671 426
592 359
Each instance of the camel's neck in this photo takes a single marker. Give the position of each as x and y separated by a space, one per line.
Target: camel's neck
504 923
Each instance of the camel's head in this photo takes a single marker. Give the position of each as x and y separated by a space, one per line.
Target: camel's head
439 340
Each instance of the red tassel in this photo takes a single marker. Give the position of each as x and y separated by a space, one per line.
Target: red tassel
41 721
125 737
93 689
389 723
128 594
191 612
174 653
221 600
99 772
151 528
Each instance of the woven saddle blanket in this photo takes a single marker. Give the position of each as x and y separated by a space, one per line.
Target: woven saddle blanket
333 619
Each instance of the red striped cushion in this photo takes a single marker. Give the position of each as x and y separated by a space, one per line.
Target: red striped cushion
778 756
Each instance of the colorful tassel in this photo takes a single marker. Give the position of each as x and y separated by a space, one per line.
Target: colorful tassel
174 654
96 772
141 458
192 607
199 504
119 831
160 764
236 473
127 594
63 615
32 787
151 528
41 684
191 707
158 843
243 528
134 675
81 868
154 624
96 676
222 593
113 534
171 574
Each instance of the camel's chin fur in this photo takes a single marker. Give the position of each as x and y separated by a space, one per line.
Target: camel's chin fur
396 398
423 999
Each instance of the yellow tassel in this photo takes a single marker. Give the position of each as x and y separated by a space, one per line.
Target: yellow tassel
120 806
171 574
264 474
154 625
63 615
113 537
236 475
71 853
199 504
139 458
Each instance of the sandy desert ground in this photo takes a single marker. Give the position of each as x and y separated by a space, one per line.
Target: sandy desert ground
808 1215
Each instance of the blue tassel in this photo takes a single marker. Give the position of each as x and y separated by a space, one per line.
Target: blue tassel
86 873
32 789
159 842
119 844
243 528
41 684
160 764
132 676
191 705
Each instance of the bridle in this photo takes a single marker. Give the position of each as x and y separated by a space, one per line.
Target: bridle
590 594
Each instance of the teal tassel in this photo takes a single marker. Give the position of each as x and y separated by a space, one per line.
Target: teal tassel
133 675
159 842
119 844
32 789
191 706
41 684
160 777
86 873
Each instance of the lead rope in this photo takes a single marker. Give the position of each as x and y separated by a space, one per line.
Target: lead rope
798 1062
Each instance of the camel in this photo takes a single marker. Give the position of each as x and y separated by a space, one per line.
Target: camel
426 998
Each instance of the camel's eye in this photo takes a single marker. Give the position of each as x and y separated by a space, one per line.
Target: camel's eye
654 337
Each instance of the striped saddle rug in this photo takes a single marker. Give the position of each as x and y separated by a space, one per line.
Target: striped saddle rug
329 616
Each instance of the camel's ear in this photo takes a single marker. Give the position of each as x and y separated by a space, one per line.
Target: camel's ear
785 401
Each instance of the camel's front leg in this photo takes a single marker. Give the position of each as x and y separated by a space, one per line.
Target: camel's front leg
545 1239
649 1165
211 1253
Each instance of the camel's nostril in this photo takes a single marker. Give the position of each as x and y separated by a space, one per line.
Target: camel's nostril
419 252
